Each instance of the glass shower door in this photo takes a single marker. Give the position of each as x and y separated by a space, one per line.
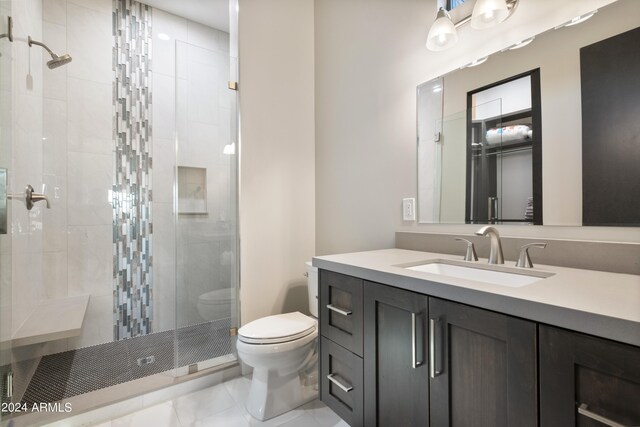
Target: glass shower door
206 204
5 208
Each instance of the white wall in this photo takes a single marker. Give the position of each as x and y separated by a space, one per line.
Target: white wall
277 222
370 56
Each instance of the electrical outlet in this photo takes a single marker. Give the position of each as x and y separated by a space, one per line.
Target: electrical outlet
409 209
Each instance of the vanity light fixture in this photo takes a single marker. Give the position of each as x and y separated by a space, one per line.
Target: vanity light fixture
489 13
578 19
443 33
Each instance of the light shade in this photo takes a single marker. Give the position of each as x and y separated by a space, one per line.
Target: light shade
489 13
443 33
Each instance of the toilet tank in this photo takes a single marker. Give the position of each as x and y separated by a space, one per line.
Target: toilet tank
312 286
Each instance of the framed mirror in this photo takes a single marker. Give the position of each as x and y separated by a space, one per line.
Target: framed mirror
553 159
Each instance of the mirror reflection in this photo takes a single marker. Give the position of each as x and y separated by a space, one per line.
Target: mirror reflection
519 138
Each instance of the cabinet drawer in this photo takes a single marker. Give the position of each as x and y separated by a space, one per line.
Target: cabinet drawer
341 382
587 381
341 310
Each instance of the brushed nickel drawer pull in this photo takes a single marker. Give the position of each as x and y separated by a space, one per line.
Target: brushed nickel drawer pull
339 310
433 371
335 378
584 410
414 342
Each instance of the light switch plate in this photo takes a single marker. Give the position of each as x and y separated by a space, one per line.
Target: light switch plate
409 209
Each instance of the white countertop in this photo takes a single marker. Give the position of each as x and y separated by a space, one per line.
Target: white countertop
594 302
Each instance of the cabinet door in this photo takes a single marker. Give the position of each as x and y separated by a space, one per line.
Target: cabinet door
587 381
340 309
483 367
396 369
341 383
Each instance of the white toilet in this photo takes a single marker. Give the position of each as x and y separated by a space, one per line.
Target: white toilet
215 305
282 350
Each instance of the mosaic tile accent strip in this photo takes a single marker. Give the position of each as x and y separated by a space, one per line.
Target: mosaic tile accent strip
132 189
74 372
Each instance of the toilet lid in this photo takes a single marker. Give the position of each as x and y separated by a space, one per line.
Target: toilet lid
277 329
219 296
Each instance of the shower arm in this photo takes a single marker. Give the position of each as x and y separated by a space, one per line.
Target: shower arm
9 33
32 42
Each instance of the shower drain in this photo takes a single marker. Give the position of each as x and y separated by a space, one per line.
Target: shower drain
146 360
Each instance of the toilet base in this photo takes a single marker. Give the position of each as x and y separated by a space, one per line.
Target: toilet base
273 394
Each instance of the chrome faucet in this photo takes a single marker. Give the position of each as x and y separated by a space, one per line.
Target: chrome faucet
524 260
495 255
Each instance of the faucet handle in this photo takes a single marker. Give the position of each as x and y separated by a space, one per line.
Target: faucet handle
524 260
471 250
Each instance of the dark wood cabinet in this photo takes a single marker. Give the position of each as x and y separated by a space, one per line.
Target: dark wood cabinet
341 309
391 357
483 370
587 381
341 383
395 363
341 337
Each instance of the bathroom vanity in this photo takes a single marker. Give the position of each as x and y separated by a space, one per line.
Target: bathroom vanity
407 339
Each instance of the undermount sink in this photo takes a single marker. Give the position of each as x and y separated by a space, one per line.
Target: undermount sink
494 274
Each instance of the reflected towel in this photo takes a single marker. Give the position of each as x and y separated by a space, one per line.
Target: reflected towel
508 134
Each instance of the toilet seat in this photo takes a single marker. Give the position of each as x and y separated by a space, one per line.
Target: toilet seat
280 328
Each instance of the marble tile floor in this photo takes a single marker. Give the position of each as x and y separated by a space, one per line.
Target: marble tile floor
222 405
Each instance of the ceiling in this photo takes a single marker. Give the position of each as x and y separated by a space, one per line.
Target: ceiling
213 13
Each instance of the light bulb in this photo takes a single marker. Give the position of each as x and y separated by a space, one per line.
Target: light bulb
488 13
443 33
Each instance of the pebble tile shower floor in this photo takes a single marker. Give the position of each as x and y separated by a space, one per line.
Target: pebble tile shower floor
70 373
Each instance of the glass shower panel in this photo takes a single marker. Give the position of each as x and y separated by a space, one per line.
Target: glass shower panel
451 167
429 103
5 207
133 143
206 203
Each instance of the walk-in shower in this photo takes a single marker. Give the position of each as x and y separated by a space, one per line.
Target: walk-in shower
128 266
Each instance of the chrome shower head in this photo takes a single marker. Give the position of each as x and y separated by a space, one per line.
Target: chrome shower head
59 61
56 61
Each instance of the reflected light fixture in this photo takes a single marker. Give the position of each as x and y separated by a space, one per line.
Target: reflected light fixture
521 44
443 33
486 13
475 63
164 36
230 149
578 19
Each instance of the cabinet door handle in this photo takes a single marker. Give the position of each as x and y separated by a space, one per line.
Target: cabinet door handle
414 341
584 410
433 371
338 310
335 378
